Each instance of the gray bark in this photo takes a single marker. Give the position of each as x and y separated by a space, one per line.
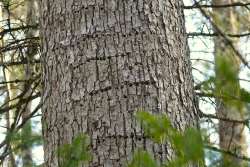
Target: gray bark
102 61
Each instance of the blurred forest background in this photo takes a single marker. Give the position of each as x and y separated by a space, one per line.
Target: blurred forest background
219 40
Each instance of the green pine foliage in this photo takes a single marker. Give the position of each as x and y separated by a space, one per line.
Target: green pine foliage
76 153
188 145
20 140
142 158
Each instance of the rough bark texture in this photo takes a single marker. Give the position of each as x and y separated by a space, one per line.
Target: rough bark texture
104 60
231 134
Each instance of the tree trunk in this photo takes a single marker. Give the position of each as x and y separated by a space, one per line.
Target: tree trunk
103 60
31 19
26 12
231 134
11 162
9 74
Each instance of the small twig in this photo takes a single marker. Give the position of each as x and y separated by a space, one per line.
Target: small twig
226 39
236 4
245 121
228 153
195 34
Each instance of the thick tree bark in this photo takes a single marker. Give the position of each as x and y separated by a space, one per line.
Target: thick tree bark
231 134
105 59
